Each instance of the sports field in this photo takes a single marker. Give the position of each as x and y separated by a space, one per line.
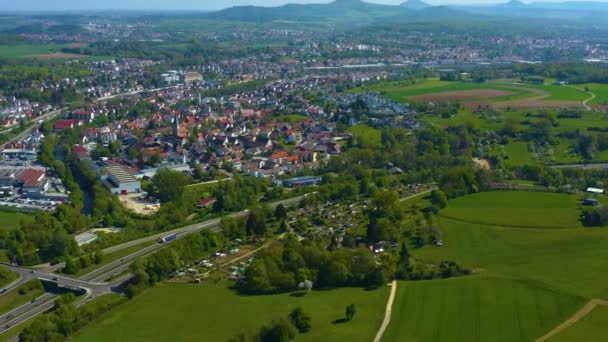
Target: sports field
533 271
212 312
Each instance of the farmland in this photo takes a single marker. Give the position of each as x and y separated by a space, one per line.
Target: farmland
533 270
212 312
476 308
28 50
590 328
499 94
511 209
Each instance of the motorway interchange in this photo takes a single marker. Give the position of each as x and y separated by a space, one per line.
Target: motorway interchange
94 284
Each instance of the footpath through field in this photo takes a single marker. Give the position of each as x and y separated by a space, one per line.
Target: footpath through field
574 318
387 315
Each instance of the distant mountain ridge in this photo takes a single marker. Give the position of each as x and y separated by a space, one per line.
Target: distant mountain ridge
360 13
415 4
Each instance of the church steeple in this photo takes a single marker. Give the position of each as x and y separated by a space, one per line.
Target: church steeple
175 125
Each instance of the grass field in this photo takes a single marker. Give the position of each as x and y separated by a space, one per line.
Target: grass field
403 91
212 312
590 328
600 91
512 209
27 50
476 308
534 267
11 219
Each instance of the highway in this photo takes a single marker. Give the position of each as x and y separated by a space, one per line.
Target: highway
93 282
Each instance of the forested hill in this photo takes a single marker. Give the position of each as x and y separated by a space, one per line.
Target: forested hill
355 12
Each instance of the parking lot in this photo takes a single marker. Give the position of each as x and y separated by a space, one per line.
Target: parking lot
28 204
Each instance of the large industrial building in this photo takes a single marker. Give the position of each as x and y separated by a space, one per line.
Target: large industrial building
119 180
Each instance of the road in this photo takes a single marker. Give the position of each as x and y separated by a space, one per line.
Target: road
105 98
582 166
388 313
214 223
417 195
93 282
26 132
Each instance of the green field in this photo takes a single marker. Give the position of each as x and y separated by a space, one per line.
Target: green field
212 312
600 91
590 328
11 219
529 277
561 93
26 50
476 309
511 209
402 91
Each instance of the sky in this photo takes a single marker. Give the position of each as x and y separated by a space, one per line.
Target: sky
62 5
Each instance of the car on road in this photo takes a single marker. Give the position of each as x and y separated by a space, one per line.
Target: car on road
55 278
3 290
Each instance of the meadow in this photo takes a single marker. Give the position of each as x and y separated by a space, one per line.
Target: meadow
213 312
531 272
476 308
28 50
11 219
590 328
511 209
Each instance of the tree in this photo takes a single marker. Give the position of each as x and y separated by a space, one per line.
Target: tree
305 285
280 212
301 320
256 223
169 185
281 330
283 227
350 311
42 329
439 198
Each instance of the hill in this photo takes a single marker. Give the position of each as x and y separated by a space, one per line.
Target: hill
415 4
569 10
340 12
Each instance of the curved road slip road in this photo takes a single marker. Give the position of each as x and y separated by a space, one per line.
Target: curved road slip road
574 318
387 315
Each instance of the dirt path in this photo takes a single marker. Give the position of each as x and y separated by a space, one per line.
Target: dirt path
586 102
574 318
387 315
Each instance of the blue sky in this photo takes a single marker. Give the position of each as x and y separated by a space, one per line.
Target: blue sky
60 5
